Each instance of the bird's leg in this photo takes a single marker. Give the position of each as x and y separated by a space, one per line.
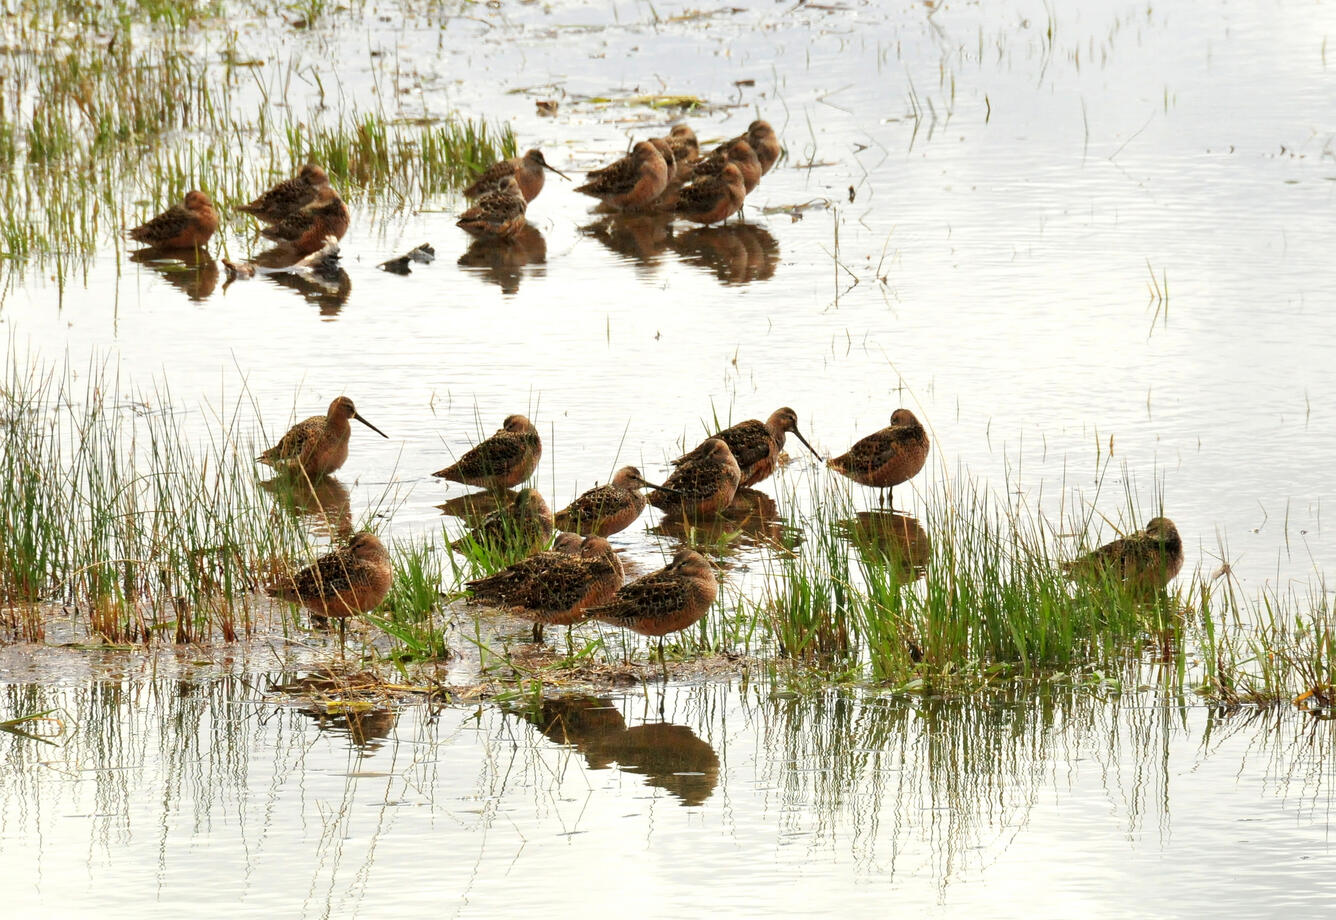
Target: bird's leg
663 664
537 633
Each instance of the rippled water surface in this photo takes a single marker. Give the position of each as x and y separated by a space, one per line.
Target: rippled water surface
1077 239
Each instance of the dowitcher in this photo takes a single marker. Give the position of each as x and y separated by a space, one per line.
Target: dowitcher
305 229
607 509
505 459
888 457
713 199
345 582
554 588
665 601
704 484
763 140
1146 560
686 149
755 444
319 444
740 154
527 172
289 196
498 213
518 530
632 182
187 225
669 159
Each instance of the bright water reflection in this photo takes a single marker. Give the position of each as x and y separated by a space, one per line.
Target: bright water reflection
735 799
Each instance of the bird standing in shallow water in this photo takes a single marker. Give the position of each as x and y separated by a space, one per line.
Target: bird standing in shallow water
554 588
498 213
505 459
306 228
345 582
632 182
704 484
607 509
289 196
712 199
517 530
527 171
740 154
318 445
187 225
763 140
1144 561
665 601
755 444
888 457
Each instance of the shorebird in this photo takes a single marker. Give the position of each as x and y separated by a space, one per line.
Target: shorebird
682 140
632 182
607 509
518 530
702 485
665 601
498 213
755 444
289 196
740 154
713 199
345 582
527 172
763 140
505 459
306 228
319 444
1146 560
187 225
554 588
888 457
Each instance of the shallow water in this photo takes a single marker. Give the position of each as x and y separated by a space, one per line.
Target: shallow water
1013 197
735 799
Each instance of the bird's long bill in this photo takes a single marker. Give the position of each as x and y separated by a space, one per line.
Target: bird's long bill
797 434
372 427
649 485
557 171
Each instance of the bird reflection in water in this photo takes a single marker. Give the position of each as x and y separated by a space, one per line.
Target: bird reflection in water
751 520
639 238
192 271
474 506
365 727
669 756
325 503
503 261
326 284
737 253
890 538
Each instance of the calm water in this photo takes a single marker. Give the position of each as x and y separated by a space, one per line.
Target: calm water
1016 182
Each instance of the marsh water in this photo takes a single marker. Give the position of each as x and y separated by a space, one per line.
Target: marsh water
1089 244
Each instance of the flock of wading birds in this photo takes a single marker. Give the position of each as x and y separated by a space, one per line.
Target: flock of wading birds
661 174
580 578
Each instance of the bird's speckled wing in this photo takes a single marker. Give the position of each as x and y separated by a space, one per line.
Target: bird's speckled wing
655 594
749 441
299 436
165 226
499 453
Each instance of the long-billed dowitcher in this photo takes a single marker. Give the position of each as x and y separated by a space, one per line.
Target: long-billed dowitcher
888 457
763 140
632 182
664 601
289 196
182 226
755 444
516 530
526 170
740 154
713 199
1146 560
607 509
349 580
554 588
704 484
498 213
305 229
686 149
318 445
505 459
